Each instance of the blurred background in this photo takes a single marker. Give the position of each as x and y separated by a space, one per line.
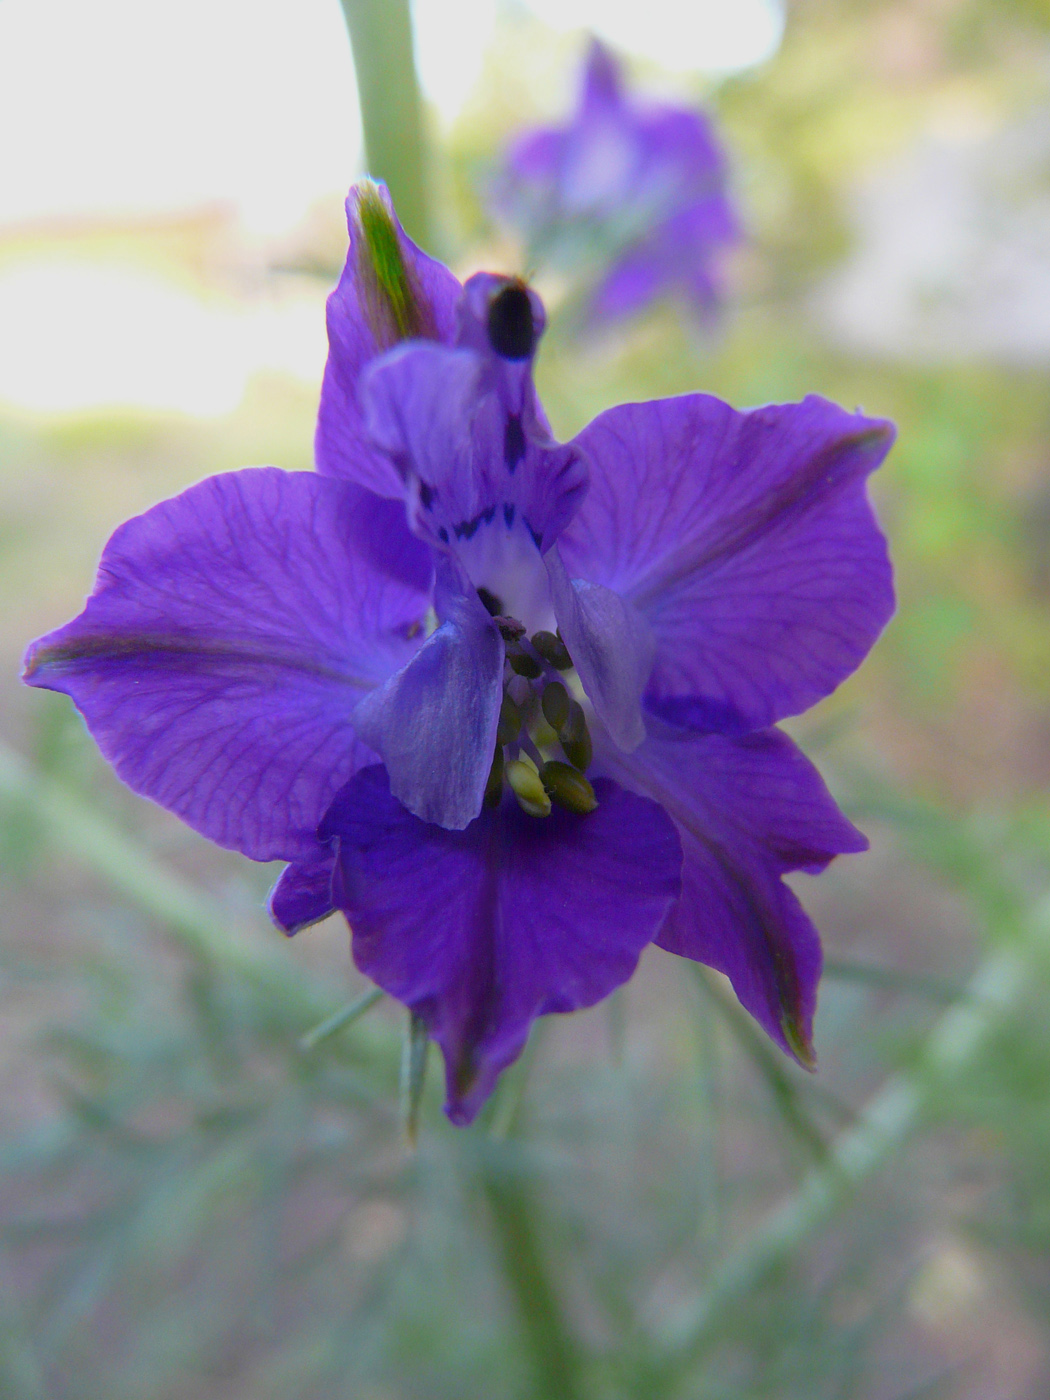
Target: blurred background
658 1204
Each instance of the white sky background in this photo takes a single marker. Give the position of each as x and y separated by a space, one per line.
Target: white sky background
137 107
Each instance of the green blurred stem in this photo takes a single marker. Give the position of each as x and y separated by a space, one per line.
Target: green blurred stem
556 1362
341 1018
391 108
952 1045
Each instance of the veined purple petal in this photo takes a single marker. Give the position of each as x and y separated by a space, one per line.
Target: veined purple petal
361 327
434 722
303 893
467 461
747 542
230 635
748 810
611 645
481 931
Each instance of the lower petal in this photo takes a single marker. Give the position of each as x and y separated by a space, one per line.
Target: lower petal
748 810
481 931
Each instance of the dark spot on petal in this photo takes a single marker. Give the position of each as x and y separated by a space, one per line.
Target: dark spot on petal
513 441
443 534
512 332
508 515
537 539
427 495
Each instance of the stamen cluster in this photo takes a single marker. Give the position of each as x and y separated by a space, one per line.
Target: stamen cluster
539 717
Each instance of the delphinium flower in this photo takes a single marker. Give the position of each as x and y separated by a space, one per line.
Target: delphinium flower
638 193
506 703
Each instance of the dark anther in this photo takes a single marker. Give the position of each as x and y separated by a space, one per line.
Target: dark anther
555 705
575 738
553 650
491 603
494 786
513 441
512 332
568 787
522 663
510 628
509 726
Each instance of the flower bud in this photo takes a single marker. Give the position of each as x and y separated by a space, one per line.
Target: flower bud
568 787
528 788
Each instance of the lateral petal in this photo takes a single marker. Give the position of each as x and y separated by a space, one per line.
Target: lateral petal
231 633
434 722
747 542
611 645
748 811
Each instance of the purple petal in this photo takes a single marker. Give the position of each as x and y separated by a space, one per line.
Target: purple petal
231 633
612 648
303 893
602 79
359 330
748 810
469 461
747 542
434 722
481 931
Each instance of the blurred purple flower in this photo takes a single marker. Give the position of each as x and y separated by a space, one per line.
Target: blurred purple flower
357 670
638 192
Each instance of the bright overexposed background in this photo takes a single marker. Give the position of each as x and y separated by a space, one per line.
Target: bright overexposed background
242 115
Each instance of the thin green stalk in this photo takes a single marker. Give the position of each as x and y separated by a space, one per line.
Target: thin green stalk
341 1018
888 1119
391 108
556 1362
414 1050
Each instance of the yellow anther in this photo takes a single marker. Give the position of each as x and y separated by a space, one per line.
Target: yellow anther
528 788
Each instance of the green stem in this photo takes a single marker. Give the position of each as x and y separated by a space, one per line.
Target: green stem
556 1362
391 108
341 1018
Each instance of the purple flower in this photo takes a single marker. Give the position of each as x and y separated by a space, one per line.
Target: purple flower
638 191
505 702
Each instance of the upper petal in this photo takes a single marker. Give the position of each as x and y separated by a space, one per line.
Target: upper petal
747 542
748 810
480 931
365 319
466 455
231 633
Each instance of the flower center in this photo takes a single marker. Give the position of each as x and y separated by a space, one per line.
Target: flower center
501 558
543 745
